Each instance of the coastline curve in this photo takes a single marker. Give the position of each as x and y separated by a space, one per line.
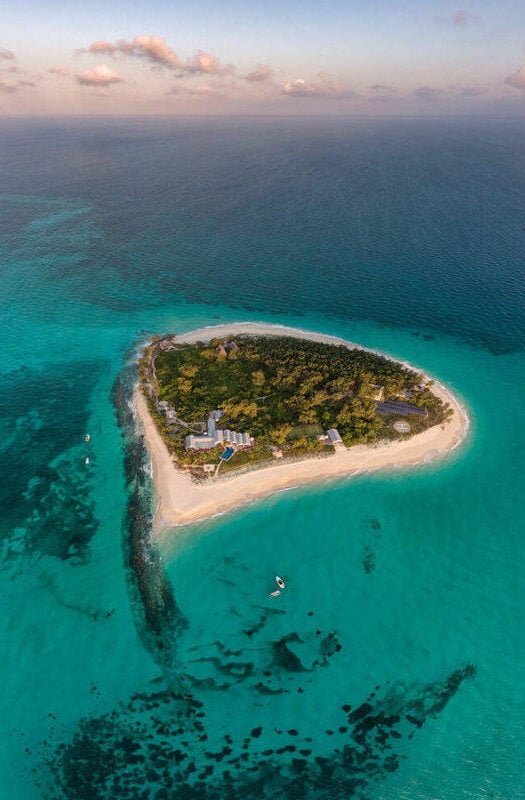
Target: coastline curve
180 501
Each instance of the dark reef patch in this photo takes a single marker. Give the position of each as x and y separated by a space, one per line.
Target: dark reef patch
265 615
369 561
285 657
159 619
44 484
372 532
154 747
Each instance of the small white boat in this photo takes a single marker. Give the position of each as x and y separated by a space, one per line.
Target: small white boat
276 593
86 460
280 583
87 437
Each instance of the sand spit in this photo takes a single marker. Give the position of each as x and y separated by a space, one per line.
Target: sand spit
179 500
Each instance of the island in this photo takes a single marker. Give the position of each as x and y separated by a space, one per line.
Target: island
232 413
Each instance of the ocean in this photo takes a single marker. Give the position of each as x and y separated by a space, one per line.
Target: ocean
391 668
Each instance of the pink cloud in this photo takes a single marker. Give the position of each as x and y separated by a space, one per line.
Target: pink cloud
460 18
8 88
324 86
59 71
154 49
158 53
99 76
261 73
205 63
428 93
517 79
6 54
469 91
203 90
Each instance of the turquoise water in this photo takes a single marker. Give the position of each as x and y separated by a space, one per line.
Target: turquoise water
407 586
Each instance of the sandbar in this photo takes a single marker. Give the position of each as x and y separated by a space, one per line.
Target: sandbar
179 500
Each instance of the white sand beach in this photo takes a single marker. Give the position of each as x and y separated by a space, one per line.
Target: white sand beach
179 500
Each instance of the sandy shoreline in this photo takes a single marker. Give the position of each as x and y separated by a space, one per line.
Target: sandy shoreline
180 501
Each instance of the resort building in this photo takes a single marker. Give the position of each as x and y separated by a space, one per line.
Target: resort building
166 344
399 407
215 436
171 414
334 436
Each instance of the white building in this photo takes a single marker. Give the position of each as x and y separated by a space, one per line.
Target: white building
217 436
334 436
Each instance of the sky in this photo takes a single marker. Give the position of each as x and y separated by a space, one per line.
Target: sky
129 57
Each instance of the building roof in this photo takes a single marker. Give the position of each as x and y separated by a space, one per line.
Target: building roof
192 442
399 407
334 436
211 425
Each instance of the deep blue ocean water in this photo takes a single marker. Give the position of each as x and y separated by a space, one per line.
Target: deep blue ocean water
392 667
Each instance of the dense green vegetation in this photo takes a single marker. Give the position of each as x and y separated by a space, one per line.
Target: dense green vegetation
283 391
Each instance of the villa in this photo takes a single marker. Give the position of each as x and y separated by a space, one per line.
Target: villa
334 436
215 436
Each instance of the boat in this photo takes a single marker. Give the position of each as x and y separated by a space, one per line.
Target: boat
280 583
276 593
86 460
87 437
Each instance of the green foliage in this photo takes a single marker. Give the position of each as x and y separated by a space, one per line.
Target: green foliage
283 391
242 458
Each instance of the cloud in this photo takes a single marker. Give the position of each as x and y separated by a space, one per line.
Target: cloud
11 88
382 87
428 93
469 91
461 19
156 51
7 88
517 79
383 93
8 55
324 86
203 90
59 71
261 73
206 64
99 76
151 48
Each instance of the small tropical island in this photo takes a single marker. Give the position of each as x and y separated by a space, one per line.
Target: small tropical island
235 412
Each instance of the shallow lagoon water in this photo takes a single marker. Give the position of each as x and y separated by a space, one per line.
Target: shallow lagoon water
417 574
